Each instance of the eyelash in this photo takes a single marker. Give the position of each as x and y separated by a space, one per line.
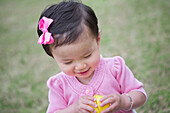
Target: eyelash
68 62
84 57
87 56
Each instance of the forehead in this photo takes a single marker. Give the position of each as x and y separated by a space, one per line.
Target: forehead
72 36
85 43
86 33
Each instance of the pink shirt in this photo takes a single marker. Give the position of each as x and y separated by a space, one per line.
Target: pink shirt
111 76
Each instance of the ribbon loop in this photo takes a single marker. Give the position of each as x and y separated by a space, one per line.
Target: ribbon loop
46 37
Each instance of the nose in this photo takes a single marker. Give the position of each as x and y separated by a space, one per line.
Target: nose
80 66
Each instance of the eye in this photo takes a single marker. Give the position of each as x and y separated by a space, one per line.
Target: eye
87 56
68 62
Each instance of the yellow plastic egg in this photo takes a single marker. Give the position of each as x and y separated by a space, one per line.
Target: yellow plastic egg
99 109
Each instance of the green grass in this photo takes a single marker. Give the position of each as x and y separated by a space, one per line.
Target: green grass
136 30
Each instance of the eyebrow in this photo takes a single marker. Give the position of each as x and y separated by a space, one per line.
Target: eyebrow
87 52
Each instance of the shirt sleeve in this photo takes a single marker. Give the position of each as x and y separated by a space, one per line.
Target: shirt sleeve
55 95
125 77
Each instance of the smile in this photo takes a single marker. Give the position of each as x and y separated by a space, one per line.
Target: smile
83 72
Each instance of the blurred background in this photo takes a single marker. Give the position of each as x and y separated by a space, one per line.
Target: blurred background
137 30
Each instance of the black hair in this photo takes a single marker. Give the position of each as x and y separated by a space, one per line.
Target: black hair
69 18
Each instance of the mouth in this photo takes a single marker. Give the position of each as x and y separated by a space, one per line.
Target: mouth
84 72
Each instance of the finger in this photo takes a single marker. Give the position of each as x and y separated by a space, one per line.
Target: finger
101 93
106 97
88 102
109 100
112 108
87 108
91 103
89 98
84 111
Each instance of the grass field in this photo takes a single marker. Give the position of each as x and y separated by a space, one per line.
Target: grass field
137 30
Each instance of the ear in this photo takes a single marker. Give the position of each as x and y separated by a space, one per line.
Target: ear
98 41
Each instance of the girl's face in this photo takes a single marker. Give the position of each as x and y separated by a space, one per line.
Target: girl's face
79 59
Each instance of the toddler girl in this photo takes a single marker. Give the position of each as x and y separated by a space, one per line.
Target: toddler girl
69 33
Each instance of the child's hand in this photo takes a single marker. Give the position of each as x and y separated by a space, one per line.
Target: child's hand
82 105
114 100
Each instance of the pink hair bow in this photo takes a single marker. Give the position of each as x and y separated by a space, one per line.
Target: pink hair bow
46 37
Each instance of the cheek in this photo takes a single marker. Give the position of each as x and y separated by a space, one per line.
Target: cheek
95 60
66 69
